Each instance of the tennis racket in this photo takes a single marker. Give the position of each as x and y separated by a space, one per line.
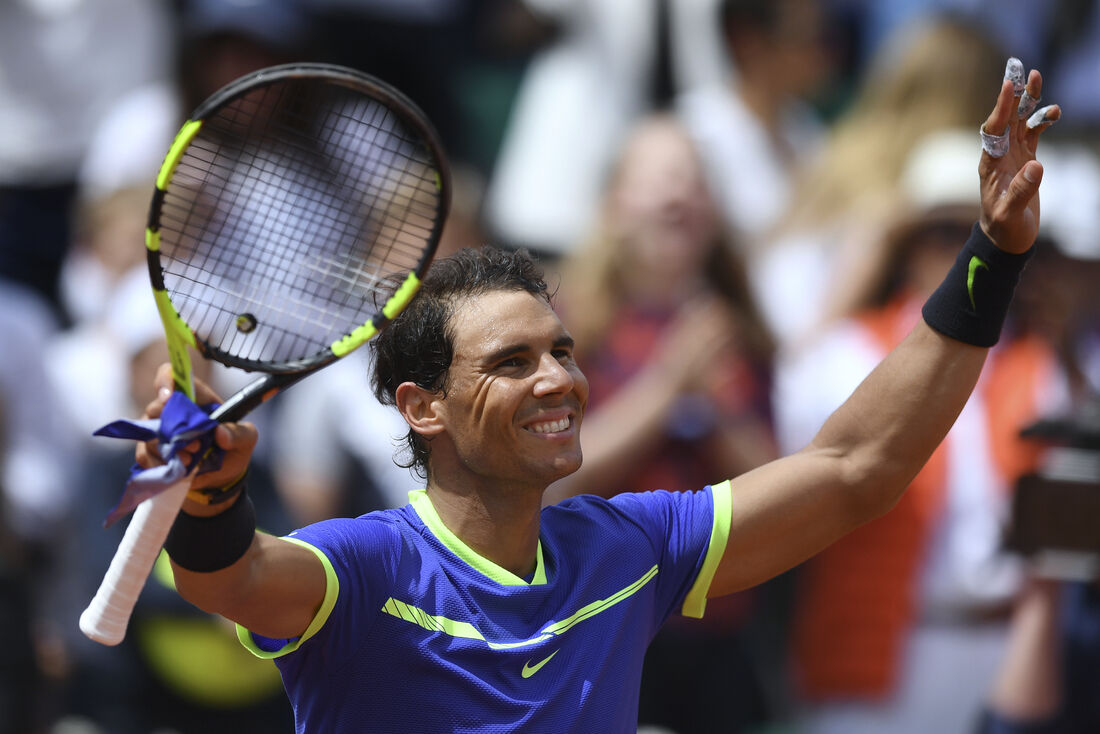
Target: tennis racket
294 215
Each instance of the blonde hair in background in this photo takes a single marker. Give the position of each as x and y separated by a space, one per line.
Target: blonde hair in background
928 77
592 276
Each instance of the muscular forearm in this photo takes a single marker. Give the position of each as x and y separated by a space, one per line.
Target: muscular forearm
885 432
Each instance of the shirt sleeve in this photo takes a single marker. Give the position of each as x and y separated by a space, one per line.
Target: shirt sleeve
688 532
360 557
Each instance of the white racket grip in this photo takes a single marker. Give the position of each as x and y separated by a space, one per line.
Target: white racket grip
108 614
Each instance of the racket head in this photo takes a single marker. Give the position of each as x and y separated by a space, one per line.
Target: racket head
294 214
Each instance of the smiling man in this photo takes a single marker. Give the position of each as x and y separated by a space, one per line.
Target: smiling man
474 608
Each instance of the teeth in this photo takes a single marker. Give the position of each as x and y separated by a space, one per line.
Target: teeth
551 427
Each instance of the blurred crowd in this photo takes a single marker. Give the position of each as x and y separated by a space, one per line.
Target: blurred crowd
745 203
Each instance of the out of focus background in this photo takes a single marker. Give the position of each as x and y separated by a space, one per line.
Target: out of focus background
747 199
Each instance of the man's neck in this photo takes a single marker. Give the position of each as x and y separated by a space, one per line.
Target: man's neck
502 527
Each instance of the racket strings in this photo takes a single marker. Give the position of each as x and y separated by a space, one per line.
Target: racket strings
289 214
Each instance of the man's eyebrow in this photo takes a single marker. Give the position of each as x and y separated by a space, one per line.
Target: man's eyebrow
505 352
565 340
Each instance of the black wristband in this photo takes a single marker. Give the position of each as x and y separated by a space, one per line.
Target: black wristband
972 302
205 544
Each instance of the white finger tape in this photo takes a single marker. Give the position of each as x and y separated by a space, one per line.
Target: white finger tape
1014 72
1027 105
1041 116
995 145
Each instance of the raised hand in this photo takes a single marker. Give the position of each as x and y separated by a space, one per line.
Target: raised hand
1009 173
237 439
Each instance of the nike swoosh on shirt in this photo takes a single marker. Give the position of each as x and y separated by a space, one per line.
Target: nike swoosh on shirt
529 670
975 263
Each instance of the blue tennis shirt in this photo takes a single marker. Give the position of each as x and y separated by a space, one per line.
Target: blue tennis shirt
419 633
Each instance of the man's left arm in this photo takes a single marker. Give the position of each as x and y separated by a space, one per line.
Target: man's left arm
869 449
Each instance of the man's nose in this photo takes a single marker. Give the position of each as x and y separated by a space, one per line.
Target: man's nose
553 377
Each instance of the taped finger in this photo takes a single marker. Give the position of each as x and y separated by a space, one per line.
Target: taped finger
995 145
1027 105
1014 72
1043 116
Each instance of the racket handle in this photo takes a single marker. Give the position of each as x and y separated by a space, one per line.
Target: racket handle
108 614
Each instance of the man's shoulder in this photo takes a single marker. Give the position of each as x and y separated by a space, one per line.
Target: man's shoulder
389 523
631 508
620 501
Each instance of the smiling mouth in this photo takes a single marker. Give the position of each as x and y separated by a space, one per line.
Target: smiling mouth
550 426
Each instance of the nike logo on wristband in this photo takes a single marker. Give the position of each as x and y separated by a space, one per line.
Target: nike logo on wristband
975 263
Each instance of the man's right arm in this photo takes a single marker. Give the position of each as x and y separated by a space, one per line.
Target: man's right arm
276 587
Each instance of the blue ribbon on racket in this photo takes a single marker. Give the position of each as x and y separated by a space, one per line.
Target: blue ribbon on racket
180 423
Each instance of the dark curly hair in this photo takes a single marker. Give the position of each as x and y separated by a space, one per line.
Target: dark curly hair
418 345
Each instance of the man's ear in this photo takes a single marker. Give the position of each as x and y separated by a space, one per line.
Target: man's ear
419 409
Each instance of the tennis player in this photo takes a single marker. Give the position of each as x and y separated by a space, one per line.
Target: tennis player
475 609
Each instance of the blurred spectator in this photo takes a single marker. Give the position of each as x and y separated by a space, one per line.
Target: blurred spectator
36 485
657 296
1047 683
418 46
1062 299
900 625
1061 37
21 675
63 65
149 681
579 97
679 368
1021 27
756 131
109 233
931 77
214 42
221 40
108 253
1074 58
36 496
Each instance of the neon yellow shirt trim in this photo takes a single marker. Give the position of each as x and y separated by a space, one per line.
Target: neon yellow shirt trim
695 604
424 508
465 630
332 591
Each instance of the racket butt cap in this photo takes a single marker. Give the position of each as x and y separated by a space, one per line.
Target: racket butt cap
98 627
